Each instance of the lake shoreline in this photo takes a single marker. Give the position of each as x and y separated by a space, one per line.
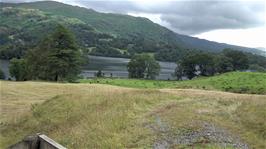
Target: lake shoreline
110 66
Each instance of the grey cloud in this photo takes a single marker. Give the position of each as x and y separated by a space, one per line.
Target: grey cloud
17 1
197 17
193 17
110 6
188 17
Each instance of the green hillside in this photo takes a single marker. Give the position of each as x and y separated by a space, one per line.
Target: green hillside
21 29
116 24
22 25
238 82
98 33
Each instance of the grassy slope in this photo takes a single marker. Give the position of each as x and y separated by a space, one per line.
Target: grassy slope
103 116
239 82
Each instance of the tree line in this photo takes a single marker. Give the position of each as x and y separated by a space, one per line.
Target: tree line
58 58
192 65
207 64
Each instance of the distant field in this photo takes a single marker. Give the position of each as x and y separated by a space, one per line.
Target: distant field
132 83
238 82
80 116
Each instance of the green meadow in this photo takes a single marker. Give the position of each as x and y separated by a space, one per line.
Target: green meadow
237 82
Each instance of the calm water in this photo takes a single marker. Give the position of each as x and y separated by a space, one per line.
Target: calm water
4 67
108 65
118 67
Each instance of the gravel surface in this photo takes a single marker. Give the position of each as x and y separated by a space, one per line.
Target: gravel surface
208 133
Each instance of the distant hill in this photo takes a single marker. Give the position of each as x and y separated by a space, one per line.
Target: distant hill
262 49
24 24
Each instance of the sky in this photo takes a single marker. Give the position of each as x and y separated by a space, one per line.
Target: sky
238 22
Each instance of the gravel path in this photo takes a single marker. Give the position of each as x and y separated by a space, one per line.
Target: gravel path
209 133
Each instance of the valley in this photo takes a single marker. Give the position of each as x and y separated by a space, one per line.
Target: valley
99 74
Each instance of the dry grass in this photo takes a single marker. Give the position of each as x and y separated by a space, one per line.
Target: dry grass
105 116
241 114
198 93
77 115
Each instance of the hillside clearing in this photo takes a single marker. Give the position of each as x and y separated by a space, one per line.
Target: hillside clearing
104 116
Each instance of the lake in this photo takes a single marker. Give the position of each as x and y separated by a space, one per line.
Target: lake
109 65
118 67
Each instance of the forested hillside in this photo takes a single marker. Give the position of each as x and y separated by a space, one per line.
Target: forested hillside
23 25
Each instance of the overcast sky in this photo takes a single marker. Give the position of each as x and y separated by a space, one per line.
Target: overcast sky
238 22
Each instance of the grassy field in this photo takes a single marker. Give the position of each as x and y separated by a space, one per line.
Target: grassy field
104 116
237 82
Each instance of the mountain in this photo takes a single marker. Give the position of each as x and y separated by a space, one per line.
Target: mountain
23 25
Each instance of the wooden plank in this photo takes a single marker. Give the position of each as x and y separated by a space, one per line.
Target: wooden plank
51 143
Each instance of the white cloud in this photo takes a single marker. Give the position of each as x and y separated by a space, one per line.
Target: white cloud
253 37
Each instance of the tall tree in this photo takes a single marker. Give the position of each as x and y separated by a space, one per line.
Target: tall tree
195 64
152 67
143 66
188 64
239 59
223 64
56 58
205 63
18 69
